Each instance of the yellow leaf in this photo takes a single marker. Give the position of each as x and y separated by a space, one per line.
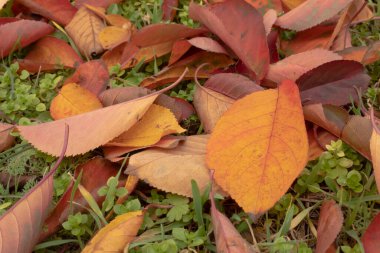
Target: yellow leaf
84 29
259 146
157 122
117 234
72 100
112 36
375 154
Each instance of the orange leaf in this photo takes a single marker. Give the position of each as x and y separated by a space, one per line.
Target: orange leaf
375 153
311 13
365 54
172 170
112 36
329 225
261 137
157 122
264 5
6 140
291 4
117 234
73 100
84 29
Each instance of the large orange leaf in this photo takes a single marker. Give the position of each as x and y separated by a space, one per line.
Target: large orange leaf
172 170
90 130
311 13
117 234
157 122
232 22
21 224
261 138
50 53
73 100
84 29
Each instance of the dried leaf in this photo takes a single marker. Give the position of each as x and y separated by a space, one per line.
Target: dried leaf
232 21
112 36
269 19
316 142
375 153
179 49
73 100
103 169
311 13
264 5
207 44
210 106
291 4
6 140
157 122
366 54
169 9
50 53
329 225
92 75
159 167
117 234
371 236
60 11
84 29
232 85
21 33
98 3
294 66
260 137
333 83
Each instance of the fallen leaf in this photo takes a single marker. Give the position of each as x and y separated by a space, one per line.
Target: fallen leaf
21 224
210 106
50 53
114 153
103 169
117 234
192 62
232 21
227 238
157 122
232 85
269 19
6 140
311 13
113 56
21 33
5 20
169 9
92 75
98 3
365 54
72 100
296 65
371 236
159 167
291 4
260 137
333 83
316 37
329 225
207 44
264 5
375 152
89 130
272 40
60 11
178 50
112 36
84 29
316 142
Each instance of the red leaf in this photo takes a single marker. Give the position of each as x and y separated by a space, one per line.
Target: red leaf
207 44
264 5
232 22
92 75
329 225
371 236
60 11
50 53
20 34
98 3
103 169
8 20
232 85
311 13
169 9
22 223
179 48
6 140
333 83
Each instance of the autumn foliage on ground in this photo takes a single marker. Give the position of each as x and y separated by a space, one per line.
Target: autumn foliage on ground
267 105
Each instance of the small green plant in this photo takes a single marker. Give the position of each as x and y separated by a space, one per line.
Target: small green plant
78 225
167 246
124 78
185 92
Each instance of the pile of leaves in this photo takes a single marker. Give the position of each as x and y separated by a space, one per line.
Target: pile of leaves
273 85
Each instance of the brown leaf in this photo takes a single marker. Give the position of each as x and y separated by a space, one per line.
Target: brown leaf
329 225
103 169
311 13
232 85
84 29
365 54
92 75
179 49
60 11
21 33
371 236
6 140
232 21
316 142
21 224
50 53
159 167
